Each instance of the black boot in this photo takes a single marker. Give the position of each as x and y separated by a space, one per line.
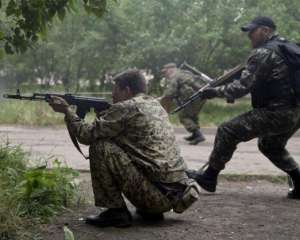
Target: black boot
207 179
112 217
150 217
294 191
198 137
190 137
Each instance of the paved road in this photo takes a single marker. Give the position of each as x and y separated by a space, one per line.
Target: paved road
45 143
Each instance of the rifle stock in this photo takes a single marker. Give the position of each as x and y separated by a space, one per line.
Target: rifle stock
195 71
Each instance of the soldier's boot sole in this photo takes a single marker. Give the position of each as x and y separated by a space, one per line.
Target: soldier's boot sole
110 223
189 138
207 184
150 217
197 140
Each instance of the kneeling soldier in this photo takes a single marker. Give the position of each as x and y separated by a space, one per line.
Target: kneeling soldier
132 152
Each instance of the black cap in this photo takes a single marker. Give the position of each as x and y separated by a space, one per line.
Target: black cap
258 22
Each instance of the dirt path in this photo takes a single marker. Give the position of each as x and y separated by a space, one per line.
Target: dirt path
47 142
239 210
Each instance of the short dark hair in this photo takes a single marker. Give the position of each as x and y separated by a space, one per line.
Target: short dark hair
133 79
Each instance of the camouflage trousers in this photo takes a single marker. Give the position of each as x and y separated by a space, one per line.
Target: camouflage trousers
114 174
189 116
273 128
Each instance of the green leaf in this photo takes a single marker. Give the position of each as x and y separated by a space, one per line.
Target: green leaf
1 36
8 48
1 53
61 14
68 234
11 8
87 9
71 6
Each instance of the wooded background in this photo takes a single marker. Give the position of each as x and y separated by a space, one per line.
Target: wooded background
76 44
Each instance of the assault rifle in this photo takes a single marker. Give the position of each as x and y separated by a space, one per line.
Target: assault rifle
225 78
83 104
196 72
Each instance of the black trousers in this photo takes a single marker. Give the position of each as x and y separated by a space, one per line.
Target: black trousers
273 128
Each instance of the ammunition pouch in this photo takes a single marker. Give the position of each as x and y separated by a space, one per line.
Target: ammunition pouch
189 196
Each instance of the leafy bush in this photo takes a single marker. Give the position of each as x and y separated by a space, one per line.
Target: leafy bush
42 192
31 195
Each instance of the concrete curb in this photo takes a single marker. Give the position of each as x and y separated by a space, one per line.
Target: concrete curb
212 131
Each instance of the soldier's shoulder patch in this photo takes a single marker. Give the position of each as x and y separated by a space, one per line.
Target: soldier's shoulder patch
261 51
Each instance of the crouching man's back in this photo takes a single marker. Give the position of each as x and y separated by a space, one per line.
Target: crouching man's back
133 151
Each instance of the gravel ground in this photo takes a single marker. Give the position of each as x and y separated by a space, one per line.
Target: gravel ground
239 210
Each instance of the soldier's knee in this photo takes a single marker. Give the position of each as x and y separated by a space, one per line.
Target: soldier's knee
266 149
182 118
223 130
228 134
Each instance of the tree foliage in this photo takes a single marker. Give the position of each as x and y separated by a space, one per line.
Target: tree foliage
22 22
146 34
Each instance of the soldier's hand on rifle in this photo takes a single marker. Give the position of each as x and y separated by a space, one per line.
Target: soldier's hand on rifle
58 104
209 93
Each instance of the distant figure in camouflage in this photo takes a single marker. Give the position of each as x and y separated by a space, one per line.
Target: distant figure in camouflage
276 108
132 152
180 85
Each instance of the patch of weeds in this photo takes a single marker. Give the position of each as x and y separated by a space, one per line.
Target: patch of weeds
30 196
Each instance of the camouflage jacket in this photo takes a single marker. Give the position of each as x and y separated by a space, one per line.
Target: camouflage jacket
140 126
266 78
181 86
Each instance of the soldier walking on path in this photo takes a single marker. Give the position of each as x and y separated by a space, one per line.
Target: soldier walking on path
180 85
272 77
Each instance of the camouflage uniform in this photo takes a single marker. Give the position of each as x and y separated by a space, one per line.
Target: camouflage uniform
275 116
132 152
180 87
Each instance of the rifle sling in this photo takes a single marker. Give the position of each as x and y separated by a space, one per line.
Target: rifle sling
75 143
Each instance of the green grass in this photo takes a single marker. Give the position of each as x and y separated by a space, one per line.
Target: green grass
250 178
217 111
31 196
40 114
